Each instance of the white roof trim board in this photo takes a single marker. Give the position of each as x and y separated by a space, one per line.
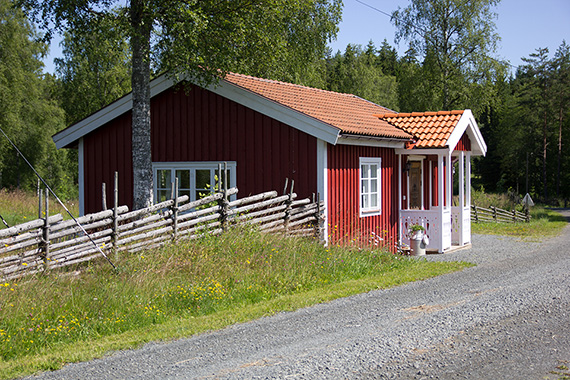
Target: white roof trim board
467 124
284 114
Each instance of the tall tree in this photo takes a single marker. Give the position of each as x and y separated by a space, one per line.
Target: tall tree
456 39
199 38
538 68
94 71
27 113
561 99
358 72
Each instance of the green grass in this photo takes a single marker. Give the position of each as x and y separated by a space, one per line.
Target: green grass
544 223
181 290
18 207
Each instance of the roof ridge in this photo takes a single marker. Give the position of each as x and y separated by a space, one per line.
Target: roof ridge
300 86
414 114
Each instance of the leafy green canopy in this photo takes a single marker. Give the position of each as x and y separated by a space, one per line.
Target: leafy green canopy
201 38
28 114
455 39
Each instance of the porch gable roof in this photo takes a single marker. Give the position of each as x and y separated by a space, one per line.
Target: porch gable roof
436 130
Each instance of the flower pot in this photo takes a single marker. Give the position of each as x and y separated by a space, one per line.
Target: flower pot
417 244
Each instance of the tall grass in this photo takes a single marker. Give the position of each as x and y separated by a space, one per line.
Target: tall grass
544 223
231 272
17 206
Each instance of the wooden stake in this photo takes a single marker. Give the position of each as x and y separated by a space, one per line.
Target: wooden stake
104 196
45 232
175 211
115 215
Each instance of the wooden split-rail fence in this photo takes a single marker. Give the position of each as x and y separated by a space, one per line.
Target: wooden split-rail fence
52 242
494 214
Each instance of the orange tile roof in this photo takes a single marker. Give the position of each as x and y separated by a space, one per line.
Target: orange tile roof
430 129
349 113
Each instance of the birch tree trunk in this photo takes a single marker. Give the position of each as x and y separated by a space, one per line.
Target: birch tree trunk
141 144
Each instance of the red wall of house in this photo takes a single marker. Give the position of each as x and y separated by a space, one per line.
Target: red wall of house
345 223
202 126
105 151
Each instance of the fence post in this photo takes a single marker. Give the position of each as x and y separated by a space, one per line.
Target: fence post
514 216
494 213
104 195
319 220
45 233
115 235
175 211
223 202
289 203
476 214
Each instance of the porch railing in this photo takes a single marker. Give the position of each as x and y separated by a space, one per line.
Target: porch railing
436 223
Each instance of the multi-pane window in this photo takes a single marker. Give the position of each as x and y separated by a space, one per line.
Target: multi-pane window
370 186
195 179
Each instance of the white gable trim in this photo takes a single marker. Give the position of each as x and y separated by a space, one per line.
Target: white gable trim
289 116
277 111
117 108
467 124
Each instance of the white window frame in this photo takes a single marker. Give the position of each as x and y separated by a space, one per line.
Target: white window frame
192 166
368 162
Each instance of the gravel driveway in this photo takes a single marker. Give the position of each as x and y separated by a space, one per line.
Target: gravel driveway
506 318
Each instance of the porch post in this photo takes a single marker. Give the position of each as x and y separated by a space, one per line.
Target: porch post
399 199
440 198
468 181
449 184
461 196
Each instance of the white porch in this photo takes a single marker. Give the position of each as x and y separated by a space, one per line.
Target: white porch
447 225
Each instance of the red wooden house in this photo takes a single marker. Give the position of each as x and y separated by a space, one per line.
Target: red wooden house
378 171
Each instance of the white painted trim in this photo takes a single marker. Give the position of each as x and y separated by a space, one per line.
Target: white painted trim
277 111
461 196
322 182
371 161
81 176
400 232
468 176
430 202
192 166
289 116
106 114
418 151
370 141
467 124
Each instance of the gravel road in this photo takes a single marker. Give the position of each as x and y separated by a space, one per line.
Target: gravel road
506 318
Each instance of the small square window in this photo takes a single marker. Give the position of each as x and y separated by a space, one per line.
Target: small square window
370 170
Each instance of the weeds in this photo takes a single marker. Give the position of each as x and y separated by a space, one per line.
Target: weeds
543 223
189 280
18 207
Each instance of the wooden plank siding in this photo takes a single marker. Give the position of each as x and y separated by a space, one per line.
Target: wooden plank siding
198 125
464 144
345 224
106 150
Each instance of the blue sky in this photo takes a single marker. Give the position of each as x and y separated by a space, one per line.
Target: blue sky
524 26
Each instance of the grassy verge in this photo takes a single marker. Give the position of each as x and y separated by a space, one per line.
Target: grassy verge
18 207
182 290
544 223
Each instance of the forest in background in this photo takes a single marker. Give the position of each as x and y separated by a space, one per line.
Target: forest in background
522 112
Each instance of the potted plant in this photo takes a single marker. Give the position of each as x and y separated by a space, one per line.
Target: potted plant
416 231
417 244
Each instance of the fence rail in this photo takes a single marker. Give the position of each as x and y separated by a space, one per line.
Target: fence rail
494 214
51 242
